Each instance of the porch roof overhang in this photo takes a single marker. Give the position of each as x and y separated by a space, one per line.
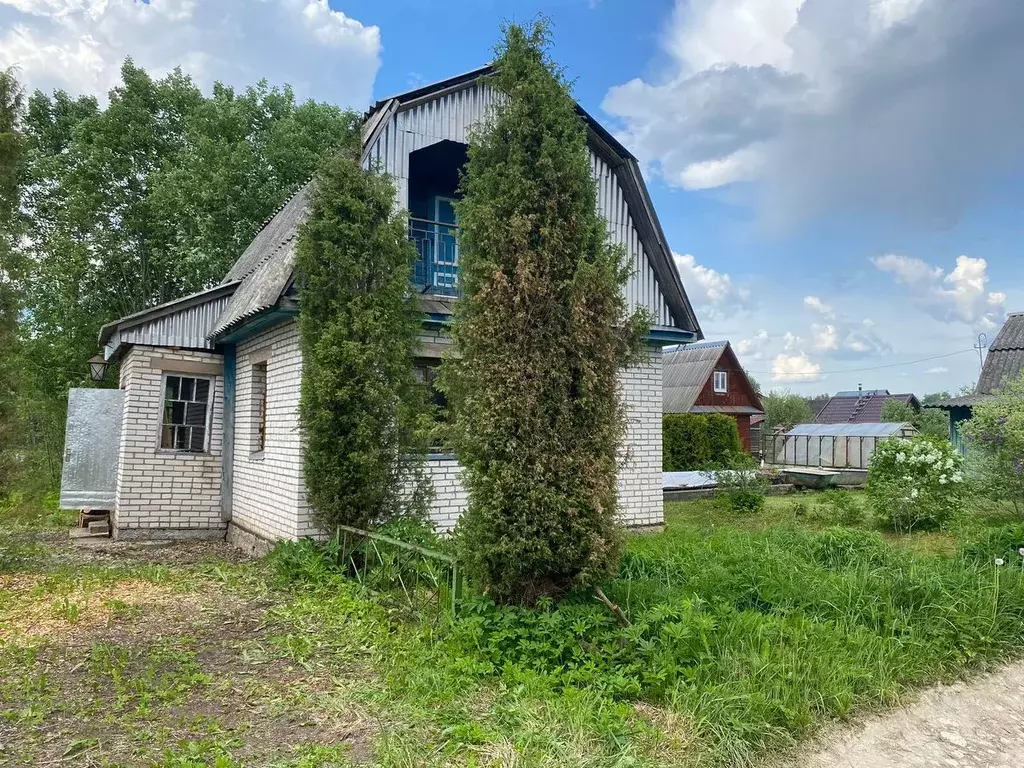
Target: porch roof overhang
184 323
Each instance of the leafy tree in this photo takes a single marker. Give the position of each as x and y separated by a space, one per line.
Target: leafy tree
935 397
898 411
11 159
362 411
928 421
543 332
143 201
933 423
754 383
995 434
783 410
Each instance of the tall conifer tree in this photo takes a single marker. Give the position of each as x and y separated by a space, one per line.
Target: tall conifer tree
363 413
543 331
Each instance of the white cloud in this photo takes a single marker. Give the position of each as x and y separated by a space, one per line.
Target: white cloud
713 293
960 296
819 306
79 45
825 338
795 368
754 347
791 342
897 106
938 369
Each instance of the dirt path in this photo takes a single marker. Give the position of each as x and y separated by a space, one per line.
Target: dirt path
970 725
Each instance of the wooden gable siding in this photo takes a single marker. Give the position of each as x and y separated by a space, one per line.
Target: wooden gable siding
740 391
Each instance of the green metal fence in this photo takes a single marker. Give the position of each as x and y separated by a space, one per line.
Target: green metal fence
416 575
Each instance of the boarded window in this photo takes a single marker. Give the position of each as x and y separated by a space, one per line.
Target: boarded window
259 406
186 405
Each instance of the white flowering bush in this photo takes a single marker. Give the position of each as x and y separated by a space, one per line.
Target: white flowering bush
916 483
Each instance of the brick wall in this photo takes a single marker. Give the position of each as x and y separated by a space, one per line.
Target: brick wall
640 492
640 483
268 496
163 493
450 497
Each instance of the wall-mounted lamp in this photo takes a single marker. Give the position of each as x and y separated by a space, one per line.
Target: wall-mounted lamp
97 368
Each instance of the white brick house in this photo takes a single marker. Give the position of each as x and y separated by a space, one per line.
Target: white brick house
209 442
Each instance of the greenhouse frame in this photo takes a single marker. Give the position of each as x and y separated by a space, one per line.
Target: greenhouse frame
837 446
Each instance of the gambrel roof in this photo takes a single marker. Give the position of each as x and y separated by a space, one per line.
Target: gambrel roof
265 267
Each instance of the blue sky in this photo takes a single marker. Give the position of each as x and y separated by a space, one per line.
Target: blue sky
840 180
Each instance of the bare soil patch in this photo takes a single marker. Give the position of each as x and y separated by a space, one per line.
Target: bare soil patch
126 671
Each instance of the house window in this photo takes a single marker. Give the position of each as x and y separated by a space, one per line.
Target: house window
721 381
259 406
186 407
426 374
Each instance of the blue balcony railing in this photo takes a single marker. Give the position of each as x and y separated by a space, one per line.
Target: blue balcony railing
437 263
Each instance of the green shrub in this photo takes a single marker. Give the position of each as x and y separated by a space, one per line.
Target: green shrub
916 483
995 434
741 490
692 441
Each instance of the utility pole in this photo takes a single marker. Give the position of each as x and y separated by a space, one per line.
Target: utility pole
981 346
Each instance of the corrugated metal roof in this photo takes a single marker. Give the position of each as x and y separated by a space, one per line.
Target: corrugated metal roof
966 401
882 429
1005 358
184 322
685 371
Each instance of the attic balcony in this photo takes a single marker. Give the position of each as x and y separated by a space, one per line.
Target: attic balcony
437 256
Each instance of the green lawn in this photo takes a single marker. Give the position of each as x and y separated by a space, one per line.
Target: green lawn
747 634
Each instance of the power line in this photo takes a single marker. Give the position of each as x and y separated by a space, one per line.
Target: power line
876 367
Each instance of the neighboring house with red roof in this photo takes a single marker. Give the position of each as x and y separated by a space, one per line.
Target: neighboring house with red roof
861 406
707 377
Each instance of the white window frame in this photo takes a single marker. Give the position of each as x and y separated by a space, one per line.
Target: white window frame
721 384
163 404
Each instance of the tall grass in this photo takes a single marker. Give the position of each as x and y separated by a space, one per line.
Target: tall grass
749 639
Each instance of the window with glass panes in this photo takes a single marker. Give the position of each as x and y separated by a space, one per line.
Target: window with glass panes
186 404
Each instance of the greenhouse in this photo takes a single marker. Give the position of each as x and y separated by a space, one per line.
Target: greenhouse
839 446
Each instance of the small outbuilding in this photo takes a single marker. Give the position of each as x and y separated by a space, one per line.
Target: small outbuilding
836 446
707 377
1004 361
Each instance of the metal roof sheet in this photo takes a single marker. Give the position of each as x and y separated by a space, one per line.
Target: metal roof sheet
881 429
865 409
733 409
685 371
966 401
